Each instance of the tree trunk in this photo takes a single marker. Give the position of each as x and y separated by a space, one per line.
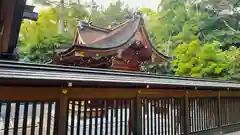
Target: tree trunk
61 17
79 2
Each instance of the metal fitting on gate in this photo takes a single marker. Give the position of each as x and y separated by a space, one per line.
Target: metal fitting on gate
64 91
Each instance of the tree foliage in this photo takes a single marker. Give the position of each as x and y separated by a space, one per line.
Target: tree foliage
194 59
198 35
36 37
43 51
38 40
114 14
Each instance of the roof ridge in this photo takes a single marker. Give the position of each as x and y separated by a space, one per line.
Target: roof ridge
83 24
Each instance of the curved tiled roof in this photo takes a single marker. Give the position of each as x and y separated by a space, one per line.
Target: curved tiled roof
120 36
114 40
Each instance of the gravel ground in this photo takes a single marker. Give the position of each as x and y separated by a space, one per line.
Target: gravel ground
234 133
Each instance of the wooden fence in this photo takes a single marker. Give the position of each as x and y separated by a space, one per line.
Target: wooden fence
114 111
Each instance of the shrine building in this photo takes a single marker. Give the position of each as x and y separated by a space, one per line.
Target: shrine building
123 47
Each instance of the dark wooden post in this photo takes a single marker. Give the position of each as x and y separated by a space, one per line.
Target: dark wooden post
137 115
63 114
186 114
219 112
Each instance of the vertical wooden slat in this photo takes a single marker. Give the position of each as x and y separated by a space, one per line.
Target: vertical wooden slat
200 113
172 116
151 116
234 110
181 114
162 111
106 115
195 115
101 116
111 122
209 114
85 117
72 117
168 115
131 118
175 114
41 118
204 114
25 118
208 118
137 110
34 106
190 108
214 109
230 111
116 118
155 113
147 104
79 117
165 115
212 113
16 118
96 120
142 116
159 118
7 118
56 117
90 120
186 115
121 117
125 117
49 118
219 112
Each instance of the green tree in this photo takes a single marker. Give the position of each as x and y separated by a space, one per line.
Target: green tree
43 32
174 23
223 21
194 59
233 55
43 51
114 14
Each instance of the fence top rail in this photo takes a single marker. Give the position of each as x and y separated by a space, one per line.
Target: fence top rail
26 72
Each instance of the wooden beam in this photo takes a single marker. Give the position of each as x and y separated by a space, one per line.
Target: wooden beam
158 93
230 94
101 93
202 93
29 93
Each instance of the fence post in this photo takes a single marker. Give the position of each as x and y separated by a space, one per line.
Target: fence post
137 114
219 112
63 108
186 114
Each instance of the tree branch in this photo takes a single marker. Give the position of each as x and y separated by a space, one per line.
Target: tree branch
226 24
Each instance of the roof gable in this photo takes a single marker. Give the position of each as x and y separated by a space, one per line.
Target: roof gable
111 40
